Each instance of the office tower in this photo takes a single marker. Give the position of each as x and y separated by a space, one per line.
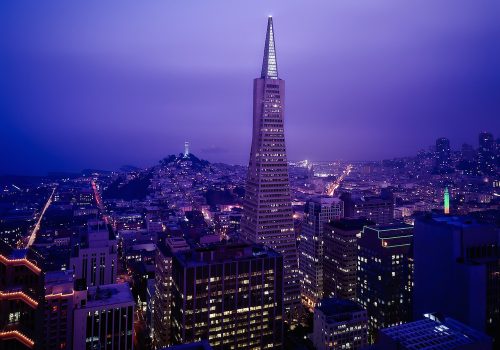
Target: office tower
58 310
21 299
162 299
340 257
468 152
431 333
379 209
385 275
446 201
318 211
104 318
457 271
94 256
487 153
443 155
231 295
186 149
267 216
339 324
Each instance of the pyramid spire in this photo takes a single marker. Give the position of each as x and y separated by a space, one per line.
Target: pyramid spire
269 64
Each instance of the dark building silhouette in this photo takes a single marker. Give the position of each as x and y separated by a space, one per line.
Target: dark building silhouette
385 275
443 156
487 153
457 271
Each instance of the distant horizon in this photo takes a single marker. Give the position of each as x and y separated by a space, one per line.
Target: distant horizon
245 164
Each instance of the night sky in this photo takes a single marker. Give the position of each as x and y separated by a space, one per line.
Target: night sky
100 84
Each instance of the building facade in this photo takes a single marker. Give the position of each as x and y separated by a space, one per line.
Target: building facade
339 324
231 295
457 271
340 257
94 256
58 310
267 216
21 299
162 299
104 318
385 275
318 212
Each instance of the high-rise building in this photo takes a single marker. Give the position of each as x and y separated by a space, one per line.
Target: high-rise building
162 299
443 155
58 310
340 257
457 270
487 153
94 256
231 295
104 318
385 275
267 217
431 333
318 212
468 153
339 324
21 299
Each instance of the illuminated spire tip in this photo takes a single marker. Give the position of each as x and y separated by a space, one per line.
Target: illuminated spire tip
269 63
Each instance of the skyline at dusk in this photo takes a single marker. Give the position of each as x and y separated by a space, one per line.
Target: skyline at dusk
250 175
87 85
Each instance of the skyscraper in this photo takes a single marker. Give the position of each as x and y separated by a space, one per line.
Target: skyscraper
231 295
385 275
318 212
267 217
443 155
457 271
486 153
340 257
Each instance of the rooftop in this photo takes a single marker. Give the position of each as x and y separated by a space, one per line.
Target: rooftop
337 309
109 294
433 333
222 252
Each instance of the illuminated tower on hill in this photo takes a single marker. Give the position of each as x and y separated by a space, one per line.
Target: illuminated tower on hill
267 217
446 201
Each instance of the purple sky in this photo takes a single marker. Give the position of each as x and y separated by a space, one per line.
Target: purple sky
105 83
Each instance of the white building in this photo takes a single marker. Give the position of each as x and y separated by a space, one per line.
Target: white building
104 318
94 257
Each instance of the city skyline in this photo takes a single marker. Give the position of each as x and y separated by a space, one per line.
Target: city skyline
77 96
362 212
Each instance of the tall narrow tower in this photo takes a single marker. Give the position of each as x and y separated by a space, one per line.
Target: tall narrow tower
446 201
267 217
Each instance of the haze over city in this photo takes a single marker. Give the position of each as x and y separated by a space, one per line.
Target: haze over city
100 85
